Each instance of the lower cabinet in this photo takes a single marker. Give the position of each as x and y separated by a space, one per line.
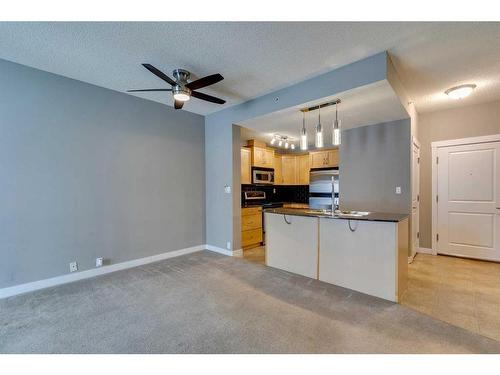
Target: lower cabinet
292 243
251 227
365 256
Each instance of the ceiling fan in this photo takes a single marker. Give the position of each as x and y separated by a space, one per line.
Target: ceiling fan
182 90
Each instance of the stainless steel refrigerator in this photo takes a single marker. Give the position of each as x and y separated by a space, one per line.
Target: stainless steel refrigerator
324 189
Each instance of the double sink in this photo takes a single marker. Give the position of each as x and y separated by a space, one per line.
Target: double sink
338 213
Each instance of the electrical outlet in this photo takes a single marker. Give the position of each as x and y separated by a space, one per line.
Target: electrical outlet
73 266
228 245
398 189
98 262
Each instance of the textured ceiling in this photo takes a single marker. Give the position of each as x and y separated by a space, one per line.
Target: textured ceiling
256 58
367 105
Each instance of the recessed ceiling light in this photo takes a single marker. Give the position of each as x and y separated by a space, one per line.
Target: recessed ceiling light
460 92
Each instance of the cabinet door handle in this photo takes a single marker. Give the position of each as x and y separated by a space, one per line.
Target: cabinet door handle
286 221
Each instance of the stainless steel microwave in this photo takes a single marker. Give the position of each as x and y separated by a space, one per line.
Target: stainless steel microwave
263 176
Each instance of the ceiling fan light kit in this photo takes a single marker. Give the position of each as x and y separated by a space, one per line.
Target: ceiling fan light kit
181 89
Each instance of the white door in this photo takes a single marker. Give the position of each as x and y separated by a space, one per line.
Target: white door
415 199
467 199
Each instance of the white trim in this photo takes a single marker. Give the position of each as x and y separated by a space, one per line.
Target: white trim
467 141
425 250
58 280
434 182
222 251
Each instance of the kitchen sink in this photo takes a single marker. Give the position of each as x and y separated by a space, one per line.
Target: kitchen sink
338 213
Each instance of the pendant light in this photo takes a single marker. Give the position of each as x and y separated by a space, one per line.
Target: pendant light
319 131
303 133
336 128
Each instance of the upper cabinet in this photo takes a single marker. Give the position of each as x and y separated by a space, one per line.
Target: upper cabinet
278 176
289 169
246 174
324 159
303 170
262 157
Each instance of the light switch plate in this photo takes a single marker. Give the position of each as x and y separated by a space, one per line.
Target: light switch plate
227 189
398 189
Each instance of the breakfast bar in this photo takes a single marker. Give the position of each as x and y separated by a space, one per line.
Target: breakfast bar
362 251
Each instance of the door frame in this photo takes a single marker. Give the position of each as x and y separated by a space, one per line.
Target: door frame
413 252
435 146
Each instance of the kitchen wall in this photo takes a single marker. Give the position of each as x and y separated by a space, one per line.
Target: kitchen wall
88 172
463 122
374 160
222 148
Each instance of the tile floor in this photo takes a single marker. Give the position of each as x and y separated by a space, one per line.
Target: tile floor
462 292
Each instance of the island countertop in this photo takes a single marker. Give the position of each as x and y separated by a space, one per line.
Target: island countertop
372 216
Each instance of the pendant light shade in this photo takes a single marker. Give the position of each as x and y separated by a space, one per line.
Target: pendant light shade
303 133
336 129
318 142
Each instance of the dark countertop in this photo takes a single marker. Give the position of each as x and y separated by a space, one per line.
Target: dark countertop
372 216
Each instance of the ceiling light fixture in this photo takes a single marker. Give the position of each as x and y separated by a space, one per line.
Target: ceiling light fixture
303 133
319 131
460 92
336 128
283 140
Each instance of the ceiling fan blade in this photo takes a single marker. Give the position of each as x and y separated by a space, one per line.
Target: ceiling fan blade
149 90
159 74
178 104
205 81
208 98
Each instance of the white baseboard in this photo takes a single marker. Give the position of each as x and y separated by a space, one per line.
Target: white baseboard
222 251
58 280
424 250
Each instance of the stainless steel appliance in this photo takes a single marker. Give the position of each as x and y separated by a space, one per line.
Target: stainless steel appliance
264 176
324 189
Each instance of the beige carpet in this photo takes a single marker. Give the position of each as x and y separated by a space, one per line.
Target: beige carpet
208 303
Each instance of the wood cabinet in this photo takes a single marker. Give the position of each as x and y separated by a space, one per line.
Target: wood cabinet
251 227
324 159
303 170
289 169
262 157
246 170
278 176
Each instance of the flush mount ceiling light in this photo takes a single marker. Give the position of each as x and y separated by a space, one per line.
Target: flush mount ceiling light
283 140
460 92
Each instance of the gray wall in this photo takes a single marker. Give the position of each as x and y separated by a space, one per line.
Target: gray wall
87 172
222 210
374 160
463 122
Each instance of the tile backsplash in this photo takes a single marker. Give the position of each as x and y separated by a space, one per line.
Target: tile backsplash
281 193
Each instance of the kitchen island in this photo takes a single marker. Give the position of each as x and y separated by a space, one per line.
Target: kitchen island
366 252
